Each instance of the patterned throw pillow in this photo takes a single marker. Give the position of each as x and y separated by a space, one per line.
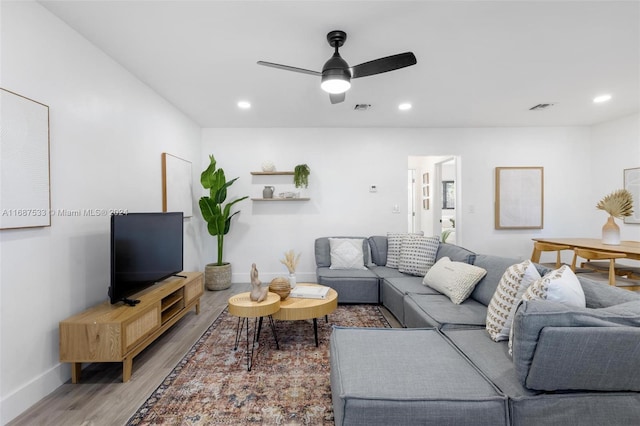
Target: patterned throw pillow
515 280
456 280
417 254
560 285
346 253
394 243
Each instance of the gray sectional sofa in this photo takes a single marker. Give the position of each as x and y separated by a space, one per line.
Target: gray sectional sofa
570 366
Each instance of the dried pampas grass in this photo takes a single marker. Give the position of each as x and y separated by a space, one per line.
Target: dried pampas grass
290 261
618 204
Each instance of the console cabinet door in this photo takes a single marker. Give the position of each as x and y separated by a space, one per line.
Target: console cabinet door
141 326
193 289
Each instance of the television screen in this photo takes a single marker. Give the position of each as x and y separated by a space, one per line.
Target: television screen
145 248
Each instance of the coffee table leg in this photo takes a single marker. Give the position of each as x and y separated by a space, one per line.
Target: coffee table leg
315 330
238 332
273 329
259 329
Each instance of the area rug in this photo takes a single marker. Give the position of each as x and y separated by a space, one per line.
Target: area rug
289 386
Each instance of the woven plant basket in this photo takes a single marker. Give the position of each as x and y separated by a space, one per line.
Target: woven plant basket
217 277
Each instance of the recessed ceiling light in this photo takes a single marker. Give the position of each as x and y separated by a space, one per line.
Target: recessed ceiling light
404 107
601 98
244 105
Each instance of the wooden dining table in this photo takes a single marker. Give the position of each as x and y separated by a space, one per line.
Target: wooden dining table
630 248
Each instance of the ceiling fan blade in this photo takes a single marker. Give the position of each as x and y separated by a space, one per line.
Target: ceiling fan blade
288 68
381 65
336 98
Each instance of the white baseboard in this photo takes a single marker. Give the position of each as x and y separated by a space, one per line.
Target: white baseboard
18 401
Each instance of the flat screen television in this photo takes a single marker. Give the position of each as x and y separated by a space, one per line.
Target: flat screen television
145 248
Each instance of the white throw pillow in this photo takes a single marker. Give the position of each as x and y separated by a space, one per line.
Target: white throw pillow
346 253
514 282
417 254
560 285
456 280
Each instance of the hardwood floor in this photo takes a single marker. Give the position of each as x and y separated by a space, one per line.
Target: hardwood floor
102 399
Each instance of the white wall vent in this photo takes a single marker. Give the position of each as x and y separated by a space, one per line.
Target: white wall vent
362 107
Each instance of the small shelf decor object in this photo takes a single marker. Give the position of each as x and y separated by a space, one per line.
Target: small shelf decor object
176 185
301 176
632 184
519 197
618 204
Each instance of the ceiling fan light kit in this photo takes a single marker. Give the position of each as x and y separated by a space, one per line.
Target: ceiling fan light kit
336 74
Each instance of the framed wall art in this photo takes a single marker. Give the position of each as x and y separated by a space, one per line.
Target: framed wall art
176 185
519 197
632 184
25 198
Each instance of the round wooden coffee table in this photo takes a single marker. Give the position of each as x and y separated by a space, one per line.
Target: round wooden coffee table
293 308
244 308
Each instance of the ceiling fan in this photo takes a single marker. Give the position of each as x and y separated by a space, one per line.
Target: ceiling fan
337 74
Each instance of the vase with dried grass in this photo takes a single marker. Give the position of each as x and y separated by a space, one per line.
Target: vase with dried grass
618 204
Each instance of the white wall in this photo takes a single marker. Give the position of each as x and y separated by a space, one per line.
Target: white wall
107 134
344 162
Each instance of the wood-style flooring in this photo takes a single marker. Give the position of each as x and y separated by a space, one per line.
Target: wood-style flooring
102 399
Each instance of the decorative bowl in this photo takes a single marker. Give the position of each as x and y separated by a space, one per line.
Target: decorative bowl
280 286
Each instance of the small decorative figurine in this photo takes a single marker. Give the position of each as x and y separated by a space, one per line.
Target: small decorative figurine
258 293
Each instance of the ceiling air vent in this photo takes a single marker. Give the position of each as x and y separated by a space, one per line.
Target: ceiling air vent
362 107
541 107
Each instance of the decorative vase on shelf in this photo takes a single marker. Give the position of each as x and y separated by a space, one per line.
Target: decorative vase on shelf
611 232
292 280
267 192
268 166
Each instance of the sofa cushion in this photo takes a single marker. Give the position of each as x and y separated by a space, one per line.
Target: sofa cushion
431 310
495 267
378 245
455 253
602 296
516 279
417 254
557 347
454 279
407 377
346 253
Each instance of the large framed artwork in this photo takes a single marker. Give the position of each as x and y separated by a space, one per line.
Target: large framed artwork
632 184
24 162
519 197
176 185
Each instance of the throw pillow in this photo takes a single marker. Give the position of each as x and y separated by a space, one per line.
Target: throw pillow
394 242
346 253
417 254
560 285
515 280
456 280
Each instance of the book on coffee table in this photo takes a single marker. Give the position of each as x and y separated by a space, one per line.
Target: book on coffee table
309 292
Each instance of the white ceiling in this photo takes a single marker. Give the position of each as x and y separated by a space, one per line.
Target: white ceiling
480 63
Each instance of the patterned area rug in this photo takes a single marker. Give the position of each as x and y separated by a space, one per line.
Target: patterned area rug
290 386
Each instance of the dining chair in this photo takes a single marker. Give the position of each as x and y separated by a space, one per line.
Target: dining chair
609 276
540 247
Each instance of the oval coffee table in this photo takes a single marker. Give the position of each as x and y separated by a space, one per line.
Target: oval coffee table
294 308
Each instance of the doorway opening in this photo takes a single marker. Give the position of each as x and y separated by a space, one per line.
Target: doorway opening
434 197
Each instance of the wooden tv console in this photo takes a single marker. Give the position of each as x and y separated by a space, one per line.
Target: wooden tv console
118 332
